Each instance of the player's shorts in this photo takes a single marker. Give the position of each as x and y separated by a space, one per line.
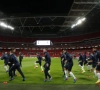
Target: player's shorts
70 67
81 63
98 68
90 63
5 63
66 66
94 65
85 62
38 62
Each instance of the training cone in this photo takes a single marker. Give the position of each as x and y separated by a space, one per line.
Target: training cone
4 82
18 74
88 76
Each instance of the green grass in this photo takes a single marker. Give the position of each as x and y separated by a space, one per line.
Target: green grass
34 76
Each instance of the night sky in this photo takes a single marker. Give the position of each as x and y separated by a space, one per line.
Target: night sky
36 6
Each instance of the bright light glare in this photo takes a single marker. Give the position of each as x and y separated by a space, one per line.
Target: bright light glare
6 26
73 26
83 19
78 22
10 27
3 25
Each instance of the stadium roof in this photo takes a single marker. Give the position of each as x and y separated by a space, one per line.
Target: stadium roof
49 18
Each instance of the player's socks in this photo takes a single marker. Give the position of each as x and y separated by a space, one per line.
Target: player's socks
42 68
36 65
6 68
87 67
66 74
71 74
95 73
90 67
98 74
82 69
49 71
50 79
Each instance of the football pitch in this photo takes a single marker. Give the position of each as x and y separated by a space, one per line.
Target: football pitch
34 77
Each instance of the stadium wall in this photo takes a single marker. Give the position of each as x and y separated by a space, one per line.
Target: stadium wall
59 39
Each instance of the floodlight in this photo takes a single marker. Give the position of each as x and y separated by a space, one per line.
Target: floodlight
3 25
79 22
83 19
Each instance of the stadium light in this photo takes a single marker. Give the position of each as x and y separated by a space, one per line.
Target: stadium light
10 27
80 21
2 24
73 25
83 19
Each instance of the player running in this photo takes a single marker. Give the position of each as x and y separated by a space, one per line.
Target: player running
39 61
68 66
15 66
47 65
85 57
97 59
81 60
89 61
5 58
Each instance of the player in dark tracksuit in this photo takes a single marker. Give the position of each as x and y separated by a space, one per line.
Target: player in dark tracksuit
85 61
20 58
15 65
68 66
97 59
81 61
10 62
39 57
47 65
90 60
63 57
5 58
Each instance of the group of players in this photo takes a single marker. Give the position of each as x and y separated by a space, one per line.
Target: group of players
91 60
11 60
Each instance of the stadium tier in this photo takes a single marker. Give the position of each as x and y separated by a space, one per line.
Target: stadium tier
74 45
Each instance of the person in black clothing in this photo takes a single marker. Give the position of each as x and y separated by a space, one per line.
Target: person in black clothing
10 62
15 66
84 59
47 65
20 58
68 66
89 61
62 60
39 61
97 60
81 61
5 58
